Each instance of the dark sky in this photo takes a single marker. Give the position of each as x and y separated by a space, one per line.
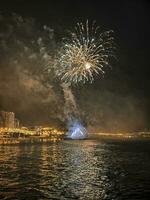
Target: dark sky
130 21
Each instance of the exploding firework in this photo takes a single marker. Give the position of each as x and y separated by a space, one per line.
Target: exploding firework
85 54
76 130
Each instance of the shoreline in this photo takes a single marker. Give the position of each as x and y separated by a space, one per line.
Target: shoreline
10 140
25 140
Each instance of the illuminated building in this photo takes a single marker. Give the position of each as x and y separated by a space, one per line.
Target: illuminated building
7 119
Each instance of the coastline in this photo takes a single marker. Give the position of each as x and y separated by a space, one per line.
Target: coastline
11 140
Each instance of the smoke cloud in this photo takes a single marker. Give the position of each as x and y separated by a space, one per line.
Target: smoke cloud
38 98
25 48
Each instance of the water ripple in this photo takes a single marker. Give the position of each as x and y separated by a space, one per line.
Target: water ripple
84 170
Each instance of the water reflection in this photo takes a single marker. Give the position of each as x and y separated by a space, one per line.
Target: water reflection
67 170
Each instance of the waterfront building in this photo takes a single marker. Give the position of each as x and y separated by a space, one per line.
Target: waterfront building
7 119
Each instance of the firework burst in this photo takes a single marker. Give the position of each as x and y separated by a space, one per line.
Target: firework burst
85 54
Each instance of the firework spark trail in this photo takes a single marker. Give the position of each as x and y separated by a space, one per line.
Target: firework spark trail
87 53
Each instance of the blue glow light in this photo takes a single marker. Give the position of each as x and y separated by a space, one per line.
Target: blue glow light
76 130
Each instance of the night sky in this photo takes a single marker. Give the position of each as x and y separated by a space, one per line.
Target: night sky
120 100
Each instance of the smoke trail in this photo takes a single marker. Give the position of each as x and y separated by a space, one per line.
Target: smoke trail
75 128
70 108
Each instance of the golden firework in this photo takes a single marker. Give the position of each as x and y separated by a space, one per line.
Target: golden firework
85 54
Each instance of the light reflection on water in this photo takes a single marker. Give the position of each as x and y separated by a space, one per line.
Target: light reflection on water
89 169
